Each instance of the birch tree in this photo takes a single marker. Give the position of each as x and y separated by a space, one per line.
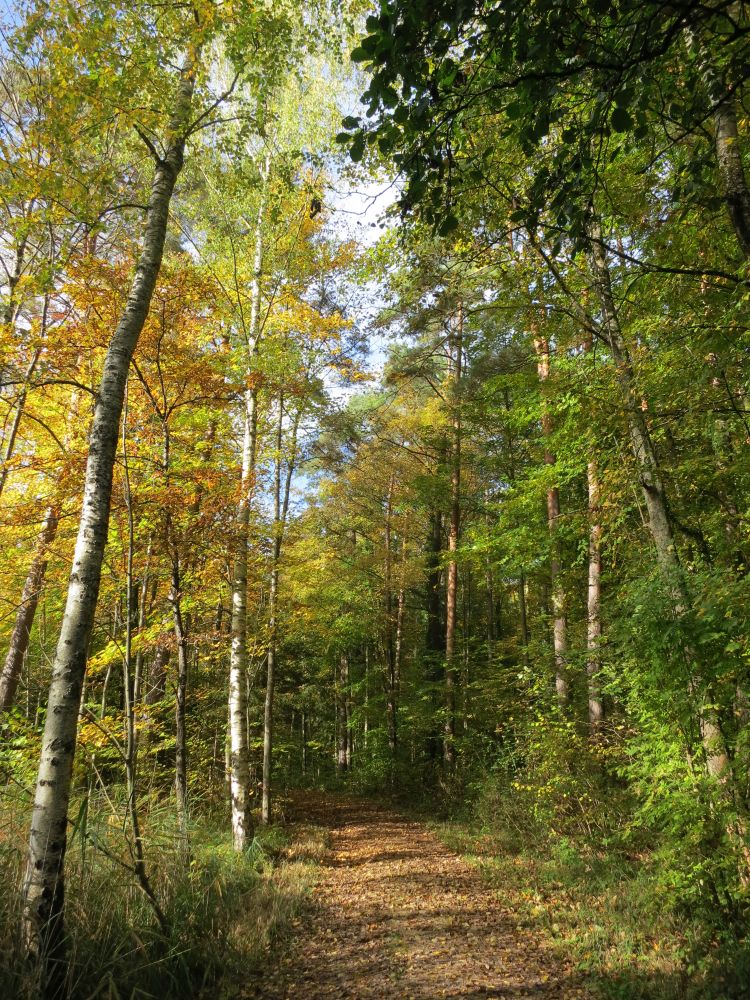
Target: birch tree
185 35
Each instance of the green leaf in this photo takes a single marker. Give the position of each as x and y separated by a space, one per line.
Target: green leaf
389 97
620 120
448 224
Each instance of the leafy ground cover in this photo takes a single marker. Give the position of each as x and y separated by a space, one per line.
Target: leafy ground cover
603 911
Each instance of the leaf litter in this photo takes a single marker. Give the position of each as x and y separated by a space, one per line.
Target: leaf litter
395 915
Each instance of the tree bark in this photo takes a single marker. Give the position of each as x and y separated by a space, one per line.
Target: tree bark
130 685
451 591
20 407
281 510
239 774
181 749
19 640
342 747
654 492
559 619
594 623
523 614
390 653
43 886
400 609
157 675
731 170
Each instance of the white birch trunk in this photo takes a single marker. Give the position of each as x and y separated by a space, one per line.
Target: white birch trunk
43 885
239 771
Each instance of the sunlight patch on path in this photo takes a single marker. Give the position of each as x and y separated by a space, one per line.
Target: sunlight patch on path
396 915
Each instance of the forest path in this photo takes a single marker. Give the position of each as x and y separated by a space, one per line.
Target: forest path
397 915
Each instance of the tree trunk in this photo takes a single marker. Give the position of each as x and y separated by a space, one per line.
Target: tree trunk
594 623
239 775
653 489
21 634
20 407
451 592
341 720
157 675
732 172
140 625
181 750
435 628
560 625
19 640
43 886
400 609
130 684
281 510
523 614
727 147
390 655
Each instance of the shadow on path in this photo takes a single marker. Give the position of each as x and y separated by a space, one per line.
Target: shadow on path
396 915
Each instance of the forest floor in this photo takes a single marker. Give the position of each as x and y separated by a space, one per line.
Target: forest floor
395 914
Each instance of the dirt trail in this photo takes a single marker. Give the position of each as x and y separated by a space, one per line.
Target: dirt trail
396 915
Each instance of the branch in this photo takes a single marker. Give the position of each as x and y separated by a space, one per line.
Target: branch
149 145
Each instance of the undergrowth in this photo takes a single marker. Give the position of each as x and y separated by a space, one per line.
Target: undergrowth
223 909
601 899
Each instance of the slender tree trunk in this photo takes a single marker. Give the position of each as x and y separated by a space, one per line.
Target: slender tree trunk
172 546
390 658
559 625
18 415
594 623
141 624
348 712
727 146
239 775
19 639
43 886
435 630
466 600
130 684
11 306
435 637
366 721
281 510
451 592
157 675
523 613
653 489
341 721
181 749
398 646
489 588
732 172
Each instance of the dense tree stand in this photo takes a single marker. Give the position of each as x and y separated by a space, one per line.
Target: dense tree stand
375 419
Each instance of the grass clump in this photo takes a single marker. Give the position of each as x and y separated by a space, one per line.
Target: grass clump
223 909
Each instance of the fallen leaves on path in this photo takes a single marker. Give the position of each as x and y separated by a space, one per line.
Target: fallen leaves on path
396 915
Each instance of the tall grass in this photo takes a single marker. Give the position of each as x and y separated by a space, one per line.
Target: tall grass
223 909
